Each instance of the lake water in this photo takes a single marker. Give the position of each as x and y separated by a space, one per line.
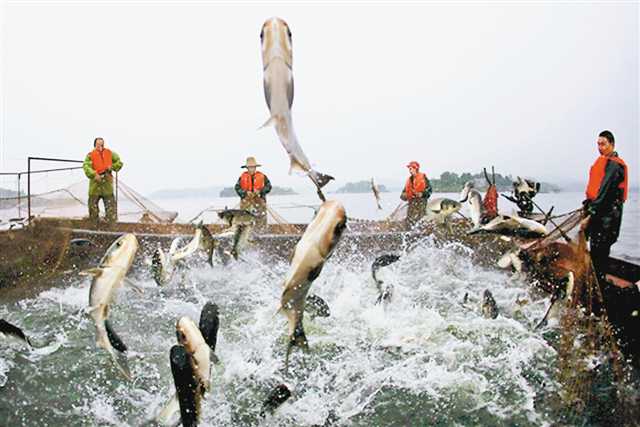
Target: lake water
423 359
298 209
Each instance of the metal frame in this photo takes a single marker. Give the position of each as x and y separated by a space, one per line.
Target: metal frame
29 172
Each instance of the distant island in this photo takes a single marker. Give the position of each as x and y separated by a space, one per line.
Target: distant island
275 191
451 182
5 193
360 187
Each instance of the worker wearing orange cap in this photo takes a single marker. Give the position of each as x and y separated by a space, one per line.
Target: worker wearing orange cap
417 191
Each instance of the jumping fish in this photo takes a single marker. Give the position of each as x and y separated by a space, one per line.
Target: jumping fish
440 209
385 290
191 366
162 266
107 279
309 255
277 61
202 239
474 198
241 222
237 217
376 193
489 306
512 225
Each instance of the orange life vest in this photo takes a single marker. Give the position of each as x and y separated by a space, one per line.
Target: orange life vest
101 160
249 184
418 184
490 203
596 175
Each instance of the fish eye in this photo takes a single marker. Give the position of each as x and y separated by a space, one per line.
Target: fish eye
289 33
262 35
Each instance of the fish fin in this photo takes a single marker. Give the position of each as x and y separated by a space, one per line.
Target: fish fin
384 296
215 359
114 339
121 362
267 92
271 121
298 339
96 272
317 306
133 286
276 397
546 315
209 324
167 413
296 166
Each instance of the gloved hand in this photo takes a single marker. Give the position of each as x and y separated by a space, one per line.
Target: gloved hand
586 208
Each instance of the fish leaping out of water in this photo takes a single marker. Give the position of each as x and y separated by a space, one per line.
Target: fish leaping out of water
191 366
277 57
309 255
107 279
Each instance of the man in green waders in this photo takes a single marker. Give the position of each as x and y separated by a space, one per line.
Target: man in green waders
98 166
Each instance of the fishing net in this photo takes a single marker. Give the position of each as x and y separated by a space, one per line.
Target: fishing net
596 382
209 215
399 213
50 199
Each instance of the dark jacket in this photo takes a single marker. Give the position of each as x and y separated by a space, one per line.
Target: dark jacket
606 209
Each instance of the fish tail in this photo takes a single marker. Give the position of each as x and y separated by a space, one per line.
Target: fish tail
320 179
121 362
297 339
167 413
384 296
114 339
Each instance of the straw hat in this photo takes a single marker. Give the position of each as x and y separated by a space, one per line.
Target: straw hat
251 161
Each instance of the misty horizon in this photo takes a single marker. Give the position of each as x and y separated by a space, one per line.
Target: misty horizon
176 90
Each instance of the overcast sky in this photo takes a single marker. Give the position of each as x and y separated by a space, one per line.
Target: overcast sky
176 88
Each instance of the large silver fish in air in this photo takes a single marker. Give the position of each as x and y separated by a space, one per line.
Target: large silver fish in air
311 252
278 92
107 279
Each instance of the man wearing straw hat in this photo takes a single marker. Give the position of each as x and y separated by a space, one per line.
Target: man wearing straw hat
98 166
253 187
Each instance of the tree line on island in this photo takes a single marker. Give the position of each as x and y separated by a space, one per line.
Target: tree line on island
450 182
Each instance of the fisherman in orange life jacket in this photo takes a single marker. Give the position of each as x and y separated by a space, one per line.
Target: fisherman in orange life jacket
252 187
606 192
98 166
417 191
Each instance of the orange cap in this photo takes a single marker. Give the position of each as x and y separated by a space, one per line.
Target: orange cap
413 164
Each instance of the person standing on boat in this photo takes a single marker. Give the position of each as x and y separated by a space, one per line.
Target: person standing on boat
606 193
253 187
417 191
98 167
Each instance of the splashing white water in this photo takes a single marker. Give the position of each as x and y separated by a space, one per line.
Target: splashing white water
421 357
